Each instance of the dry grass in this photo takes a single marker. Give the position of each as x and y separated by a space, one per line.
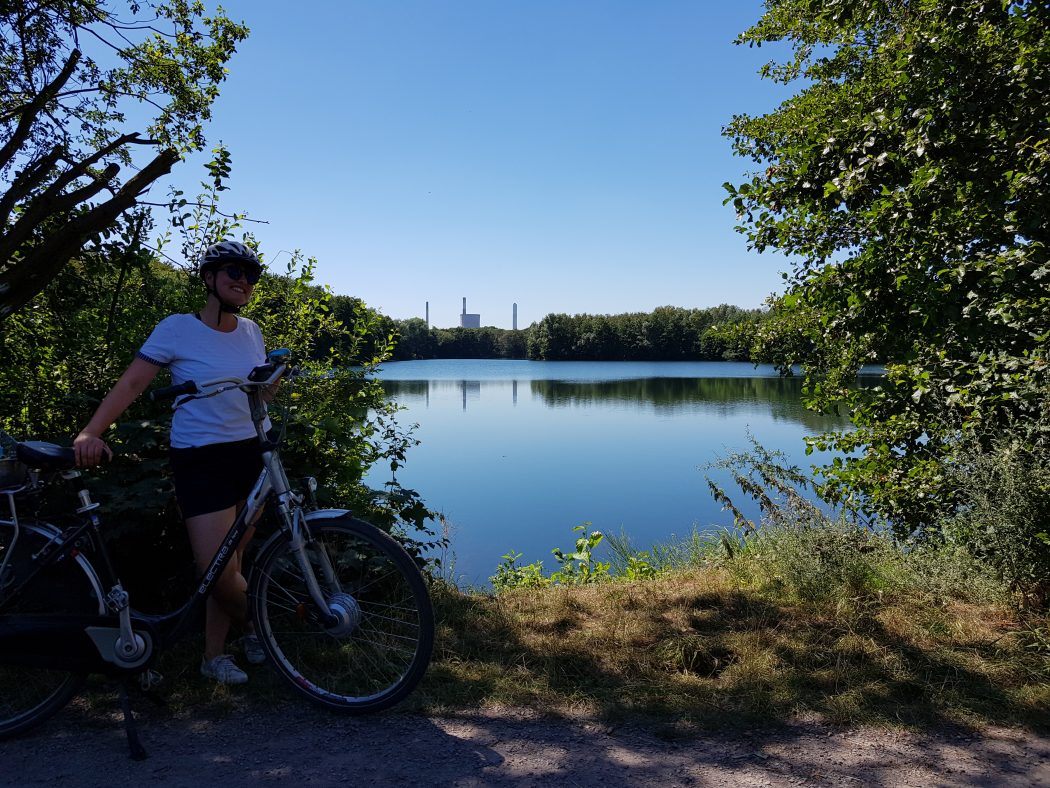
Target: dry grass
708 648
701 650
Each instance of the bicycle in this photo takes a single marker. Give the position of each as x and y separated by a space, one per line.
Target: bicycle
341 609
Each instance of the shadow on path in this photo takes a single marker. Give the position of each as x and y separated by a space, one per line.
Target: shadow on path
293 745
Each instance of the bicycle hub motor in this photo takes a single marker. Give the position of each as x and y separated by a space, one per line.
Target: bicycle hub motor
347 613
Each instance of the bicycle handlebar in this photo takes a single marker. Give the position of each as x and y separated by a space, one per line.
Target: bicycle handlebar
171 392
260 377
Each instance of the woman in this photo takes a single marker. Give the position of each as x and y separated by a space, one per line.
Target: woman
214 452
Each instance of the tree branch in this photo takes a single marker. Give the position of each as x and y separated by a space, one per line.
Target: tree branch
52 200
27 180
27 276
28 116
203 205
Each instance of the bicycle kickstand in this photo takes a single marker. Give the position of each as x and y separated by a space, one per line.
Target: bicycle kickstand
138 752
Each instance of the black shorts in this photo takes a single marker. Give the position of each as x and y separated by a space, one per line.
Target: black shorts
215 477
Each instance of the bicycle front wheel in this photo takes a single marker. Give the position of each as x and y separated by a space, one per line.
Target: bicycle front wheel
30 695
380 648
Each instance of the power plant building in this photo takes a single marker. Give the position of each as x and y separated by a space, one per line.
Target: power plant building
469 320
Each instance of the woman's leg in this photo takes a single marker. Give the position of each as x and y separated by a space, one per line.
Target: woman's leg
248 626
228 600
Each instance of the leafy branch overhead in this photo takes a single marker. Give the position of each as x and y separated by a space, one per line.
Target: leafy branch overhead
88 88
907 180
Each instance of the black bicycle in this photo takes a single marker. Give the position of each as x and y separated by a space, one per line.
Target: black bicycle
341 608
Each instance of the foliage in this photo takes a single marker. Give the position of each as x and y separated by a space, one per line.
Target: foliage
907 179
67 347
803 551
635 565
1004 484
77 336
779 490
364 333
579 567
510 574
666 334
415 341
71 75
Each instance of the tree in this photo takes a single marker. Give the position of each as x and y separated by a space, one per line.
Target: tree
907 179
72 74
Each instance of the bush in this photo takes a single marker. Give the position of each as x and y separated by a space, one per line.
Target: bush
1005 514
816 560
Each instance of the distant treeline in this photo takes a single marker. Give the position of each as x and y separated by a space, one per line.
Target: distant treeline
666 334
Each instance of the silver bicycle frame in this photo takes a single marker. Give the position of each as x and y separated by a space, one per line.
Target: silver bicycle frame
274 480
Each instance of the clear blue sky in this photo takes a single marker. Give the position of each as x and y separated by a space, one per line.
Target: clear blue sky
562 154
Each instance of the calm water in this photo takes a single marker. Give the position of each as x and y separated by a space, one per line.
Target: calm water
516 453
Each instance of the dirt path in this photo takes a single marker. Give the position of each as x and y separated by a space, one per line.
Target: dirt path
300 746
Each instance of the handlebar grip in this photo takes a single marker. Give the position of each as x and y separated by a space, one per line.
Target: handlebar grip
171 392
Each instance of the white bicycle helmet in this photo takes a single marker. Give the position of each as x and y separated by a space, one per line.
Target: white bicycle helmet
227 252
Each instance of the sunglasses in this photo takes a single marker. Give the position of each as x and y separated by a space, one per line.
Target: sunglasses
237 272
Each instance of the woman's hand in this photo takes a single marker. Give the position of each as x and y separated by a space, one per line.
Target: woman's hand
90 449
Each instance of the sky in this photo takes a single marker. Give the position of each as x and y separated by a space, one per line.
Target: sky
564 155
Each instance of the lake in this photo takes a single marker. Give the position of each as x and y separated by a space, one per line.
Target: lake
516 453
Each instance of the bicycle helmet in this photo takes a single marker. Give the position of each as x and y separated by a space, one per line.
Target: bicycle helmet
227 252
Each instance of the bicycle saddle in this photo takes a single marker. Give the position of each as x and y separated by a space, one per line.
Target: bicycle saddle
46 456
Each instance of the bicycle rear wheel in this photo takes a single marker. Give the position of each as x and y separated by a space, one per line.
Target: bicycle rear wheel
29 695
379 651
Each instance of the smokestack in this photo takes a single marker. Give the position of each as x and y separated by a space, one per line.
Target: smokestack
428 314
464 305
514 320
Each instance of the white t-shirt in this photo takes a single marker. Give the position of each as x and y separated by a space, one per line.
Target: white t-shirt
197 352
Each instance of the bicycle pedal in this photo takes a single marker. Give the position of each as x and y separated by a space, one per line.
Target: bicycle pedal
149 680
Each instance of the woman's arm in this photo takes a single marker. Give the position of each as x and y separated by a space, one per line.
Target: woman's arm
88 445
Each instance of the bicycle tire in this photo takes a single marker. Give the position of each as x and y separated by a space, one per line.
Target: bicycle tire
384 657
29 696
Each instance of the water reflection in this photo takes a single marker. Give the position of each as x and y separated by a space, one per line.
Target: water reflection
515 454
667 396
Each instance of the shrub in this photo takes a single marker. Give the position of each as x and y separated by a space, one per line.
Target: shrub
1005 514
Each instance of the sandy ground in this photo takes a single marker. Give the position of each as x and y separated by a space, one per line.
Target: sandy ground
301 746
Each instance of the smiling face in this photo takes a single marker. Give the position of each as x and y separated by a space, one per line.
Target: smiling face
232 291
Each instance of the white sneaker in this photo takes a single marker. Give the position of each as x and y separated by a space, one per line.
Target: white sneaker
253 649
223 670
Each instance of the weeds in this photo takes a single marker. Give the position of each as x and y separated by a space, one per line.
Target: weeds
707 649
805 612
578 567
732 630
1005 486
509 574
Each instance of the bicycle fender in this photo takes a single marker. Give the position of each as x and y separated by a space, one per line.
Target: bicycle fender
316 516
327 514
49 532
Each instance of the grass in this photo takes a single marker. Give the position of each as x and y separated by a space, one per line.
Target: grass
794 620
699 650
803 616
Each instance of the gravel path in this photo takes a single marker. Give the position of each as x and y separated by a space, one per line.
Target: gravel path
301 746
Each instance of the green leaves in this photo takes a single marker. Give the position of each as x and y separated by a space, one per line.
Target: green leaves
71 75
908 178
